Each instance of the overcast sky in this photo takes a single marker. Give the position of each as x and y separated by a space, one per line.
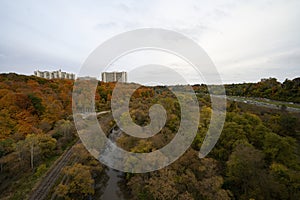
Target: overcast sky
247 40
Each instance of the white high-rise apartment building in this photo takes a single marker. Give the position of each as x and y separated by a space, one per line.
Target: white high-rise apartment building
114 77
54 74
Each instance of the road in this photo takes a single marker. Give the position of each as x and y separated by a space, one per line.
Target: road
266 103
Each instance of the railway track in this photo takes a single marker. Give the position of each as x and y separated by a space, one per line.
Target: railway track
42 190
48 181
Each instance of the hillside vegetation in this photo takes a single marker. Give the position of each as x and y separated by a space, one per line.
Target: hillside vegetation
36 126
256 157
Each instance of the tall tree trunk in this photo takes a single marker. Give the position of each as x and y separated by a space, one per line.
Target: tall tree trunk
31 155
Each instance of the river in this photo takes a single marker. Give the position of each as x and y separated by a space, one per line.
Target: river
112 190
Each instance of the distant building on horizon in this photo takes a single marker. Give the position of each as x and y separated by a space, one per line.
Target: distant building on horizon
54 74
114 77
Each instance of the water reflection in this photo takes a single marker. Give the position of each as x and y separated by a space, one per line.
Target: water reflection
112 189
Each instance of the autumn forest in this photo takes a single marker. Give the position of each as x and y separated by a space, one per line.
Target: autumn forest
256 157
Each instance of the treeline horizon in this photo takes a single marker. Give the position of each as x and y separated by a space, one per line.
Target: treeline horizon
270 88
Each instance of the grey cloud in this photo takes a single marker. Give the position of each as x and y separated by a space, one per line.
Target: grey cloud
31 36
124 7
